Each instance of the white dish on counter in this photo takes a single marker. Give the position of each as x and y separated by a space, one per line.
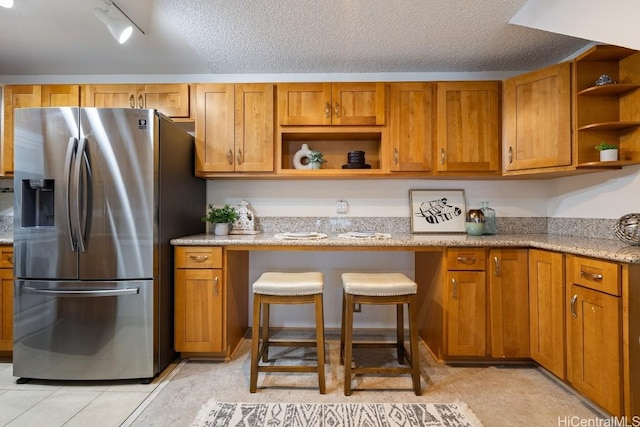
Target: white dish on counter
300 236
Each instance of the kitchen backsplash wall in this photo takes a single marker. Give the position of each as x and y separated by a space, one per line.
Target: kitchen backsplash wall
6 205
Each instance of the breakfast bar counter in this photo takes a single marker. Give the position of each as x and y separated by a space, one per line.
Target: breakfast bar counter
612 250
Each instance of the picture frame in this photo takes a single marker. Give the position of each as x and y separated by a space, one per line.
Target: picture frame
437 211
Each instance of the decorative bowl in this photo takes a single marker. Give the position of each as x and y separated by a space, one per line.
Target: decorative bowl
628 228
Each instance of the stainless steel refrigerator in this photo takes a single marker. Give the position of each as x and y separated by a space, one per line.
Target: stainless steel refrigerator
99 193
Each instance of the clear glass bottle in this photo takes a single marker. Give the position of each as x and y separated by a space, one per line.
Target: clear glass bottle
489 218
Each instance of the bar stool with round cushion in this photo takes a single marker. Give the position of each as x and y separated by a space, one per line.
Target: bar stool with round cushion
380 288
285 288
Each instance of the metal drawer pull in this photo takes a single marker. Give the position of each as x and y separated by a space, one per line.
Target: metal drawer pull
327 110
497 261
140 101
592 276
337 110
573 306
442 156
239 157
395 156
466 259
199 258
230 157
454 293
510 155
215 286
132 101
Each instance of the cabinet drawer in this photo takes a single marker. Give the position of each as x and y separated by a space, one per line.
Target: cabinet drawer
6 257
599 275
198 257
466 259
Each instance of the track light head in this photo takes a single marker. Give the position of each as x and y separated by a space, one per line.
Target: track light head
120 30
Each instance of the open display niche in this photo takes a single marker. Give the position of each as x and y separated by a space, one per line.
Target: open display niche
335 145
610 112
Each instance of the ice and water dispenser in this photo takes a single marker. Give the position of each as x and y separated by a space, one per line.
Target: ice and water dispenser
38 202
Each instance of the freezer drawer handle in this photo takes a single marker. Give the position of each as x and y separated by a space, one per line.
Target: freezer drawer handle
80 293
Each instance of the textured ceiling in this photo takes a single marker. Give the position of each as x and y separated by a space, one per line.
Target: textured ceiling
276 36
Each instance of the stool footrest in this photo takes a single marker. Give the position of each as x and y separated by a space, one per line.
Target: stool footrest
291 344
381 370
374 344
263 368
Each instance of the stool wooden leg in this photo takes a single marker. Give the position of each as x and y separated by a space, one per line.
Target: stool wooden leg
415 350
320 341
348 341
255 344
265 332
400 332
342 330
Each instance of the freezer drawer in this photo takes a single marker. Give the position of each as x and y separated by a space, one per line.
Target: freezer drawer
66 330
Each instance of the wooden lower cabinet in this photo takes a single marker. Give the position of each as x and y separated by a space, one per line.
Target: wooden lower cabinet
6 298
210 298
546 310
509 303
594 330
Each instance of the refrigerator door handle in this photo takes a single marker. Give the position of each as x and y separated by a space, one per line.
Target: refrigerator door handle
70 158
81 293
82 194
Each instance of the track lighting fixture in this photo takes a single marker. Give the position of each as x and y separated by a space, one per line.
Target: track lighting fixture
6 3
120 29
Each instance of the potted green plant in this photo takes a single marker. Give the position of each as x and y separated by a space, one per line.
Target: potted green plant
315 159
221 218
608 152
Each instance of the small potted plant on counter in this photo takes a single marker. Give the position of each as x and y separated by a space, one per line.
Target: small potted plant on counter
608 152
221 218
315 159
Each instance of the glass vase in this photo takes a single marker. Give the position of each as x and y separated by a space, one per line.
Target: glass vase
489 218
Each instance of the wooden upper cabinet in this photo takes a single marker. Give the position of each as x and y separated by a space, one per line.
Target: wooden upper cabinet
537 119
412 109
170 99
234 128
468 123
24 96
331 104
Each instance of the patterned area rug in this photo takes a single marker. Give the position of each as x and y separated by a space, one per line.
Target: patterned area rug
336 415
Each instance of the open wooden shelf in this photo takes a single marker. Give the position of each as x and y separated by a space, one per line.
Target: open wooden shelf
609 90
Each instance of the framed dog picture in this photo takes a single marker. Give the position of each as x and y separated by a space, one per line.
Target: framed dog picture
437 211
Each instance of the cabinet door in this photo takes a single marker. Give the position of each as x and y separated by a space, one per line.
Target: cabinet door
15 97
23 96
6 298
111 96
304 104
596 340
170 99
358 103
537 119
468 127
215 128
411 126
254 122
198 310
509 303
466 313
546 310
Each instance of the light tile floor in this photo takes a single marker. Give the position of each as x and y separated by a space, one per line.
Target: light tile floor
70 404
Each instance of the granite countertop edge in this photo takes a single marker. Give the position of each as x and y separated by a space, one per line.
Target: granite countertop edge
613 250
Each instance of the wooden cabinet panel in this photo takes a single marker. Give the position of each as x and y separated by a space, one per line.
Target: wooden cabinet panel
596 341
198 257
199 310
411 126
170 99
254 127
6 298
546 310
509 303
234 128
466 313
537 119
594 274
331 104
468 123
23 96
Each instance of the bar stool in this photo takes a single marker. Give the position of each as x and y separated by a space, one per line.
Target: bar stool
380 288
285 288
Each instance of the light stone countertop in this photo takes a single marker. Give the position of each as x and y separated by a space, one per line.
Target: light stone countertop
613 250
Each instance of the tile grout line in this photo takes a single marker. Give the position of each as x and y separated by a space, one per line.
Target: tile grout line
140 409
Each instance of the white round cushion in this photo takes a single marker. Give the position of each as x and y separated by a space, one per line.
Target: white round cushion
378 284
289 284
